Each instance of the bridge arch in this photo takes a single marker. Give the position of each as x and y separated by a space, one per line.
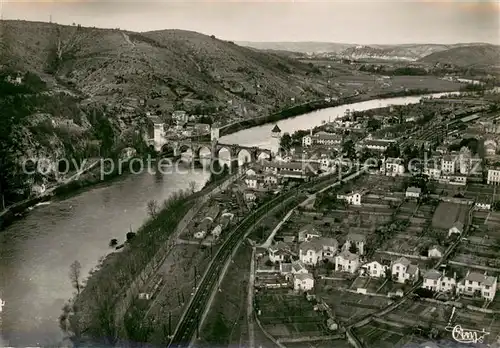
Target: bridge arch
203 152
184 148
244 156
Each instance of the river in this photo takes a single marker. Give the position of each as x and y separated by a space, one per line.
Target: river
36 251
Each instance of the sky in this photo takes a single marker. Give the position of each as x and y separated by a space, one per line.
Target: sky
354 21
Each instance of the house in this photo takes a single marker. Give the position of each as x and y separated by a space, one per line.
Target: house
217 231
464 160
251 172
353 198
303 282
321 138
252 182
378 144
490 147
403 271
375 269
279 252
448 165
432 169
432 280
250 197
308 232
435 252
442 149
357 239
493 176
393 166
456 228
317 249
477 284
347 262
413 192
298 267
270 179
180 117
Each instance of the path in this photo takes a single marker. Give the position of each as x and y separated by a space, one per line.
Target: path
127 39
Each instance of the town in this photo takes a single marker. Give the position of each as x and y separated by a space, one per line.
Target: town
415 233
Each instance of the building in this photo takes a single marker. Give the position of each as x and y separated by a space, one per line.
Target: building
378 144
490 147
456 228
270 180
435 252
493 176
180 117
276 132
317 249
347 262
357 239
439 282
413 192
279 252
375 269
431 280
252 182
217 231
303 282
393 167
307 233
353 198
403 271
448 165
322 138
477 284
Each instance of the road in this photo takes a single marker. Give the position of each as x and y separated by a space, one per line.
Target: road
190 321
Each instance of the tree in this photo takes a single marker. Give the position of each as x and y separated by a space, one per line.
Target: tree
392 151
348 149
373 124
152 208
75 274
286 141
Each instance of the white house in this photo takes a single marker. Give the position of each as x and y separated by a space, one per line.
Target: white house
493 176
321 138
252 182
448 165
403 271
378 144
456 228
393 166
347 262
435 252
307 233
490 147
270 179
375 269
359 240
431 280
303 282
317 249
353 198
477 284
413 192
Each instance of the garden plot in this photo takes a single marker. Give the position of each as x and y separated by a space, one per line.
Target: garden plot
349 307
286 314
378 335
412 313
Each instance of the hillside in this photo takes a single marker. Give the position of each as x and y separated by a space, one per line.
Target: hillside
477 55
98 85
171 69
300 47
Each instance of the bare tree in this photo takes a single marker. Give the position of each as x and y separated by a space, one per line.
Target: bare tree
75 274
152 208
192 186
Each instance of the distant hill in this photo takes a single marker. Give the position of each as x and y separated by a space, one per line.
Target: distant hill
300 47
476 55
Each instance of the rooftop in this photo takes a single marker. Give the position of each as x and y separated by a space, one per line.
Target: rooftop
356 237
432 274
276 129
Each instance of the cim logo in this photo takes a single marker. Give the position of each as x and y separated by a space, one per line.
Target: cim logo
462 335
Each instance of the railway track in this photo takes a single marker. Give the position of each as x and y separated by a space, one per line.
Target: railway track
190 322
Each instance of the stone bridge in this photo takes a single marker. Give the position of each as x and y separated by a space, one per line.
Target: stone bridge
214 149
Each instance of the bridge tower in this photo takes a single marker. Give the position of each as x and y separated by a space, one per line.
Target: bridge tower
158 133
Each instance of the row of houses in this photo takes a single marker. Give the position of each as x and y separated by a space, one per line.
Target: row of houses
473 284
